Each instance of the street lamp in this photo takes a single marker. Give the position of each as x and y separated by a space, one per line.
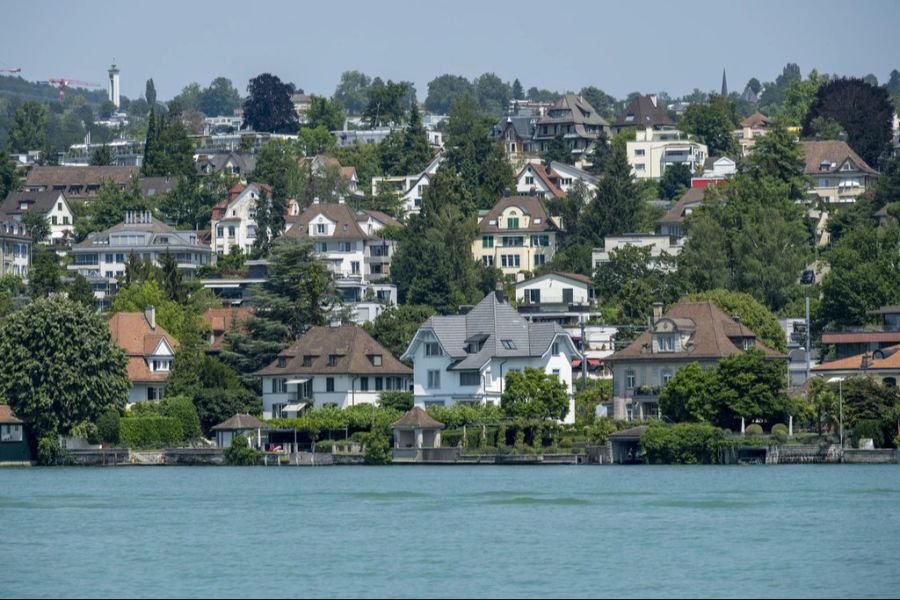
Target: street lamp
840 382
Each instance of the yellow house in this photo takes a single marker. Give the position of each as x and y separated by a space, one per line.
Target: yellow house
517 235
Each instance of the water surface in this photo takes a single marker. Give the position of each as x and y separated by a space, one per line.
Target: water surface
564 531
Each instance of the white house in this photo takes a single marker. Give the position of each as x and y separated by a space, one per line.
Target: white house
556 290
150 350
411 188
465 358
233 220
664 246
339 366
15 249
653 150
715 170
50 203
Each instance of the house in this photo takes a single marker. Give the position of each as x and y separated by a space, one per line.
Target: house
78 183
254 430
517 235
568 175
302 103
51 204
233 219
839 174
15 249
652 150
14 444
689 332
337 366
662 247
643 113
410 188
150 350
101 258
231 164
224 320
573 118
672 223
715 170
322 165
537 180
349 242
517 135
465 358
556 291
883 365
752 128
861 340
157 186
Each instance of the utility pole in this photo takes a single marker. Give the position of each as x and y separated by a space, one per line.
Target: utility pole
583 354
807 347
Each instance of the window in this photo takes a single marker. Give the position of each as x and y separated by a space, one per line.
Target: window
533 296
65 220
329 384
556 373
220 231
307 360
432 349
321 247
529 180
539 259
487 241
639 152
279 386
10 433
667 343
487 260
568 295
629 380
282 361
510 260
554 348
321 228
639 167
364 384
508 344
354 267
53 220
59 206
434 379
666 376
345 247
230 234
379 384
108 258
332 360
512 223
469 378
513 240
540 240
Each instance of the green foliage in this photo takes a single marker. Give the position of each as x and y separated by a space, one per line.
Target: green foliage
633 279
753 315
492 93
675 181
444 90
45 376
869 428
220 98
749 385
190 203
684 443
557 150
8 179
80 291
150 432
327 113
688 395
600 431
215 405
182 408
315 140
534 394
27 131
618 204
268 106
387 102
167 149
176 318
240 454
48 450
460 414
777 155
753 429
109 207
353 91
602 102
44 275
395 327
779 428
101 157
596 392
108 426
37 225
713 123
396 400
378 449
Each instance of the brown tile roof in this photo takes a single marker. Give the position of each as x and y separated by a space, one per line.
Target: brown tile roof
576 277
352 347
417 417
833 151
711 330
240 423
7 417
548 176
384 218
643 113
132 333
531 205
859 337
57 176
574 109
885 358
223 320
689 199
347 221
756 120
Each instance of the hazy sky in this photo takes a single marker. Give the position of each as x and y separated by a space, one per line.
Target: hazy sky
619 47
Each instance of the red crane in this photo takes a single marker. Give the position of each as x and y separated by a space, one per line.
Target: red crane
64 83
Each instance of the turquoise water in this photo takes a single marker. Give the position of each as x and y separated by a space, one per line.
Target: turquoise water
451 531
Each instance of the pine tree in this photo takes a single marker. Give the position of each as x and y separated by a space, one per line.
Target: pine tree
150 93
617 205
416 152
80 291
517 92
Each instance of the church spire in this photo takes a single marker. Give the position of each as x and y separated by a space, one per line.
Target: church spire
724 84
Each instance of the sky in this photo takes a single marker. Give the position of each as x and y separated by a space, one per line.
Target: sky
661 46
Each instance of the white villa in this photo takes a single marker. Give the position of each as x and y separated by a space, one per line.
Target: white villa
660 246
150 350
653 150
233 221
50 203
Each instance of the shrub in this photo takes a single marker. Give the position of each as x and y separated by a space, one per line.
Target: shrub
684 443
48 450
182 408
150 432
216 405
599 432
145 408
378 449
869 428
108 426
240 454
396 399
779 427
753 429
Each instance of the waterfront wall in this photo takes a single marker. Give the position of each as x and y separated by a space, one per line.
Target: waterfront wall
871 457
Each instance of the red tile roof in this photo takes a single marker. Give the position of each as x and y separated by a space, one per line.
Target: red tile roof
7 417
885 358
223 320
133 334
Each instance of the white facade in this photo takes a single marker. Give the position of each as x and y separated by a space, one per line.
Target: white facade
553 289
15 249
653 150
569 175
281 392
159 363
659 245
237 226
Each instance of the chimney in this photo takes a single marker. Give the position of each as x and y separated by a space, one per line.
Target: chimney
501 295
657 311
150 315
653 98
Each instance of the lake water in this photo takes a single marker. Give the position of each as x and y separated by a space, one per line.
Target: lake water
451 531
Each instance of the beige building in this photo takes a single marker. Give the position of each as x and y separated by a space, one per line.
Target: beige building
839 174
653 150
517 235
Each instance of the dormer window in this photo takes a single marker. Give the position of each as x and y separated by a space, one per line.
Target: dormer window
512 223
282 362
332 360
307 360
666 343
376 360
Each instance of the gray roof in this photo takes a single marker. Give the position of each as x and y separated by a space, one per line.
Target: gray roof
40 202
508 334
100 241
643 113
524 126
241 423
244 160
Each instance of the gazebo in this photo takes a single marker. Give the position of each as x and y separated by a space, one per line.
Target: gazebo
414 431
248 426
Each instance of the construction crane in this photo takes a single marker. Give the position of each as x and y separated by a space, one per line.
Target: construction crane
64 83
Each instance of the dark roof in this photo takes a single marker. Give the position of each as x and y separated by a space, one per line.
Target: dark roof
246 162
690 198
523 126
711 332
571 108
240 423
757 119
643 113
417 417
530 205
59 176
834 152
41 202
151 186
7 417
345 219
352 347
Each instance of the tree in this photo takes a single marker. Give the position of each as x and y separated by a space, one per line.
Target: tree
268 106
557 150
617 205
387 102
189 98
634 280
688 395
80 291
189 203
863 110
444 90
799 95
365 157
602 102
27 130
750 385
37 225
150 93
823 128
179 319
353 91
45 376
220 98
395 327
773 94
517 92
598 154
168 150
315 140
778 155
416 151
534 394
8 179
752 313
493 94
101 157
713 123
327 113
44 275
675 181
109 207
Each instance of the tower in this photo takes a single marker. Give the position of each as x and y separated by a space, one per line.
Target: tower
113 89
724 84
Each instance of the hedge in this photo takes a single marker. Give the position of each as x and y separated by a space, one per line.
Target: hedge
684 443
150 432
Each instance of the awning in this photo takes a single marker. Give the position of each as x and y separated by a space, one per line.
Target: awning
592 362
296 381
294 407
